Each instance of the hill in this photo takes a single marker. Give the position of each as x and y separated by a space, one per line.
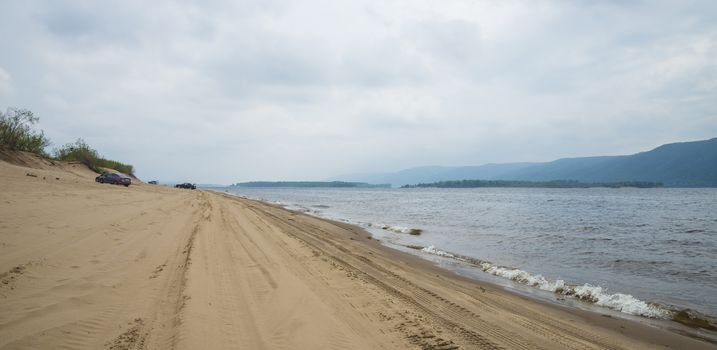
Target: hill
684 164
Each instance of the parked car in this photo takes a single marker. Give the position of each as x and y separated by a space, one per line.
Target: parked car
153 182
112 178
186 185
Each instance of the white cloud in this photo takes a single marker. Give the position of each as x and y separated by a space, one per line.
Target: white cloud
279 90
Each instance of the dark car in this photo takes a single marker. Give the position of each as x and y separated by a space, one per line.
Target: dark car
153 182
186 185
112 178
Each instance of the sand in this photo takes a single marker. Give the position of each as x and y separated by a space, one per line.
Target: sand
92 266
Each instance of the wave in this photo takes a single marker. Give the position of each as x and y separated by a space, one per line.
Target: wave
397 229
593 294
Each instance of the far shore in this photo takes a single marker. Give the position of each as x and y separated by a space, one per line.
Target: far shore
91 266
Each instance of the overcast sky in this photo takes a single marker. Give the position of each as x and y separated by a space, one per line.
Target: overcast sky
276 90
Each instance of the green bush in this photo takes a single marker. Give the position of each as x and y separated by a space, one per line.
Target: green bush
79 151
16 132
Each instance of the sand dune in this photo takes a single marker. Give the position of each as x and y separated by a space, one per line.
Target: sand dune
91 266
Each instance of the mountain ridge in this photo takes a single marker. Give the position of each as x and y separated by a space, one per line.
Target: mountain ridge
680 164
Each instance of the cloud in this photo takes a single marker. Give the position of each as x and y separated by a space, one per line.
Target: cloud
239 90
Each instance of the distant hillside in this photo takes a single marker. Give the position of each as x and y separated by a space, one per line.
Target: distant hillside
533 184
429 174
311 184
685 164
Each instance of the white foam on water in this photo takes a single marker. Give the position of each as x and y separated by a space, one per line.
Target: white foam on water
398 229
392 228
621 302
594 294
524 277
434 251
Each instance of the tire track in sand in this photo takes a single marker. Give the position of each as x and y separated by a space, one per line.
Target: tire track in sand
373 274
162 329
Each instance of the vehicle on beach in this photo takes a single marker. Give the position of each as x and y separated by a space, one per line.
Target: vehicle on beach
115 179
153 182
186 185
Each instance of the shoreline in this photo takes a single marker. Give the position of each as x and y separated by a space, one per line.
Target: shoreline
508 285
88 266
579 296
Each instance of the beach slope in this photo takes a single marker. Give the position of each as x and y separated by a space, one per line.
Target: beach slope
92 266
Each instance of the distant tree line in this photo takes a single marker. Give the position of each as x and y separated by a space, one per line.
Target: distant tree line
309 184
17 134
538 184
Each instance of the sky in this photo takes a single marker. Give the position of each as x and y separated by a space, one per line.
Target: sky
228 91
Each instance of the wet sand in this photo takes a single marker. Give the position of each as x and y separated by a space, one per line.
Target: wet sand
92 266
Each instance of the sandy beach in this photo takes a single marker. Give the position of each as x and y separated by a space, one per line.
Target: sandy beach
92 266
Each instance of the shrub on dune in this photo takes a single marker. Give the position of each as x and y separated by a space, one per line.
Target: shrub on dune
17 134
79 151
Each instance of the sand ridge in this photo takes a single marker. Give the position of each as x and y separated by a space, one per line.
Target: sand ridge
92 266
